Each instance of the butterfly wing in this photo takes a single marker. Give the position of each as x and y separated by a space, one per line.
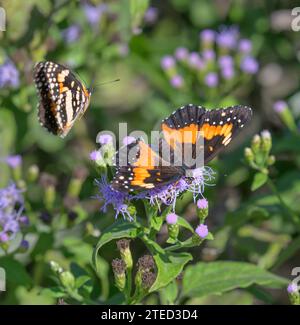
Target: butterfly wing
140 168
208 130
63 98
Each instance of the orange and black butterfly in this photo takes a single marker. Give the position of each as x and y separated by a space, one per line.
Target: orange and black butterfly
141 167
63 98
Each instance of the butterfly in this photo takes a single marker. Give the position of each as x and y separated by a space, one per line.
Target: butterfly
63 98
140 167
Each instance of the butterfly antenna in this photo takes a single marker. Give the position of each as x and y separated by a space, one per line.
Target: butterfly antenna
93 87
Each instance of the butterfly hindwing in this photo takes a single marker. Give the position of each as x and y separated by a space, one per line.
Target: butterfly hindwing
63 98
139 167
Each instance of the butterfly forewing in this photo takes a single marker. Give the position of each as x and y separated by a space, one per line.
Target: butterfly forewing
63 98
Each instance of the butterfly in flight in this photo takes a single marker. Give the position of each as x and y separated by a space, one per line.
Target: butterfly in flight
63 98
145 168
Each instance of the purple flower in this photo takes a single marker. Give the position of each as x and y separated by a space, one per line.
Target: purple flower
249 65
207 35
11 207
128 140
151 15
280 106
228 37
245 45
24 245
225 61
9 75
172 218
71 34
105 139
95 155
227 73
10 196
167 62
202 231
117 199
181 53
93 14
24 221
176 81
202 204
195 61
14 161
292 288
211 79
209 55
3 237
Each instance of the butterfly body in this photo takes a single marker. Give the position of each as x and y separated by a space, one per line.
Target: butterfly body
191 137
63 98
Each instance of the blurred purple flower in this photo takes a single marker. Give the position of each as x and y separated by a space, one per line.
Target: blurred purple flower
202 204
71 34
225 61
24 221
292 288
176 81
249 65
207 35
202 231
227 73
209 55
172 218
245 45
195 61
93 14
151 15
167 62
24 245
9 75
11 207
128 140
181 53
14 161
280 106
228 37
211 79
105 139
95 155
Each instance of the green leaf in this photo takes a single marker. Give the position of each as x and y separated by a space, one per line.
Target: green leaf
15 272
118 230
258 181
169 265
169 293
137 11
183 223
217 277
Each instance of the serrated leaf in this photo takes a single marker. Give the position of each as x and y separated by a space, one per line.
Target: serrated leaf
217 277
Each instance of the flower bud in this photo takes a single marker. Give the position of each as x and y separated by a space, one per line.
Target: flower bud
33 173
123 247
271 160
24 245
202 211
293 292
249 156
266 141
55 267
255 145
67 279
119 268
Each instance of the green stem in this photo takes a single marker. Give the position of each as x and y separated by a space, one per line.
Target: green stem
127 291
291 213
